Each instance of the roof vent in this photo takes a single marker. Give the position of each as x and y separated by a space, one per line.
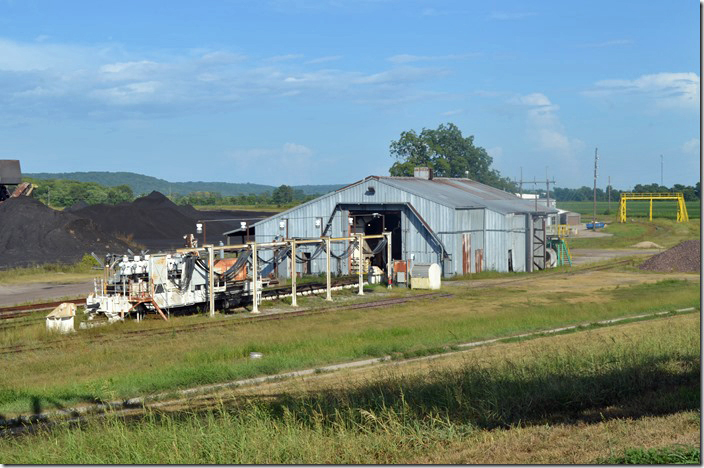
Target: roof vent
423 173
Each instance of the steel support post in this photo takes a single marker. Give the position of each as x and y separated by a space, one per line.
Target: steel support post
294 303
389 262
328 295
211 281
651 210
255 278
360 265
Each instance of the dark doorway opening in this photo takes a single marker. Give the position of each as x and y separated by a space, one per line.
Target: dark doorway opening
376 223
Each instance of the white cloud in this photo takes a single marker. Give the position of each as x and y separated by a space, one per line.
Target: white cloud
329 58
50 80
294 148
691 146
544 127
665 90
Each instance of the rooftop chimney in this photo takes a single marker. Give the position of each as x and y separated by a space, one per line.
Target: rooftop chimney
423 173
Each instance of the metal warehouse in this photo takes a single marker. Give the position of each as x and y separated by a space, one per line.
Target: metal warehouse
460 224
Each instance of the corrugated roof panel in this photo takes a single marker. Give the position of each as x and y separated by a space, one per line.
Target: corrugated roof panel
464 193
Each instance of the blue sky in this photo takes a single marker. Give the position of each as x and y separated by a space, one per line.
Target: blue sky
313 92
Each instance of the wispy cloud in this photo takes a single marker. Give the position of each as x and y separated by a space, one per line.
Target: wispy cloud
284 58
691 146
408 58
450 113
110 82
510 16
329 58
545 128
665 90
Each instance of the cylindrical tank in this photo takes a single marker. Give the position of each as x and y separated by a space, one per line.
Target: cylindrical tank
426 276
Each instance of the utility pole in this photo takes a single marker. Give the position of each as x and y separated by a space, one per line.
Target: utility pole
596 159
547 183
547 186
521 186
661 165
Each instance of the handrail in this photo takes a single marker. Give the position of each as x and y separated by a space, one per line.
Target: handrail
673 195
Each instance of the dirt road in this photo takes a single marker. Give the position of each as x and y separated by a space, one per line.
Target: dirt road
11 294
582 256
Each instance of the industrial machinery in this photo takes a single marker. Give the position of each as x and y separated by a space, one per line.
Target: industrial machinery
11 175
183 281
166 283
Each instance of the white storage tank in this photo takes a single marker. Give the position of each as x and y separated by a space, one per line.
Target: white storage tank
425 276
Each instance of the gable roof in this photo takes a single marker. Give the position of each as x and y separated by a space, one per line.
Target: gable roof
465 194
454 193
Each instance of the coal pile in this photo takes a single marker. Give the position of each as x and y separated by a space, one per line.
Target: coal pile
153 221
685 257
31 233
158 224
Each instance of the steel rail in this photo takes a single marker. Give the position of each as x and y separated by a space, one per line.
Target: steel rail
102 337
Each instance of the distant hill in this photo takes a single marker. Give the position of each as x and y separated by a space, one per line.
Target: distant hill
141 184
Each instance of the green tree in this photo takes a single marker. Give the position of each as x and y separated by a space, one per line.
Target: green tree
119 194
447 153
282 195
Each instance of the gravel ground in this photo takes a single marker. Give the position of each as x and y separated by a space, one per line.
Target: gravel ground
682 257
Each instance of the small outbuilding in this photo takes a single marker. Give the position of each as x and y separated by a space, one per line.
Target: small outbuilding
61 318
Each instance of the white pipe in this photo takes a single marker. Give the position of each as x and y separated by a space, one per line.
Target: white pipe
293 274
328 295
255 278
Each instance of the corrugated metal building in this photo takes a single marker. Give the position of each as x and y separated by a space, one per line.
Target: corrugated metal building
462 225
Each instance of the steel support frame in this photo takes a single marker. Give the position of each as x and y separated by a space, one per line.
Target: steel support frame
682 215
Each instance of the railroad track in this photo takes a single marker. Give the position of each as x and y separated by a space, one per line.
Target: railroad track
270 293
26 309
19 311
102 337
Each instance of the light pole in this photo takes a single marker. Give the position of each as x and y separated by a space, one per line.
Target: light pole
661 166
596 159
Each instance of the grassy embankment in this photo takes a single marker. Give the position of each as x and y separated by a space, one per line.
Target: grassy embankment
123 367
663 232
598 396
52 273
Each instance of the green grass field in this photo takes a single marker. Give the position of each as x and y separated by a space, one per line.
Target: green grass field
635 209
123 368
485 408
664 232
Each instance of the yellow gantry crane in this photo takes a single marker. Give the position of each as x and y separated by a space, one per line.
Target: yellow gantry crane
682 215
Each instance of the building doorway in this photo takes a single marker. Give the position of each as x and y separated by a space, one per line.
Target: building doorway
372 223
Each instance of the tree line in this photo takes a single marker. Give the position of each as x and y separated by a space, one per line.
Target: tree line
63 193
283 195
